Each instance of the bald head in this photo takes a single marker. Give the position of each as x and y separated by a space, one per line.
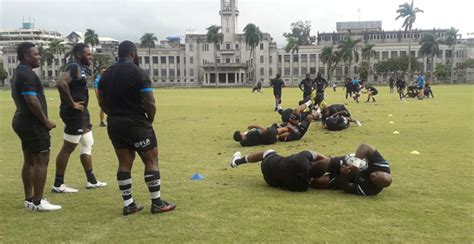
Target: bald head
381 179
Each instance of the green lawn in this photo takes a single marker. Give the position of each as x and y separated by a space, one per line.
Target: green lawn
430 200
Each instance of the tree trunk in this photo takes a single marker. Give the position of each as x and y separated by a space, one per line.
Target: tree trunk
409 56
216 78
254 67
453 56
149 64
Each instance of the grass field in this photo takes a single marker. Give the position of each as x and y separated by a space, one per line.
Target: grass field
430 200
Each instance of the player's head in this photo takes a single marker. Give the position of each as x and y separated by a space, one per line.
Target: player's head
82 53
286 114
128 50
381 179
317 169
28 53
237 136
278 76
319 74
308 76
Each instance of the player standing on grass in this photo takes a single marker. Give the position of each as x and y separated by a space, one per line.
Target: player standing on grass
31 124
126 96
277 84
75 115
306 86
320 84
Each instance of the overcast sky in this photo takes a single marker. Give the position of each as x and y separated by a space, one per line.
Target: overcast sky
129 19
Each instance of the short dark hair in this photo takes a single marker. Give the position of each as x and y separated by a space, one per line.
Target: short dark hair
126 48
237 136
79 49
23 48
278 75
285 114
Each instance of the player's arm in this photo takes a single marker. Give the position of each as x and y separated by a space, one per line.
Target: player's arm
301 86
63 87
35 107
256 127
348 174
292 128
147 97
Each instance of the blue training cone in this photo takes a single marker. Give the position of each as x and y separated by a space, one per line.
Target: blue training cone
197 176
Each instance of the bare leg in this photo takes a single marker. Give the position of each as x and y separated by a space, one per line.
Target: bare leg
150 159
39 175
364 151
101 116
125 157
63 157
27 174
255 157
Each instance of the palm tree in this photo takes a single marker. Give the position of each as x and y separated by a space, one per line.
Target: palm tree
56 48
408 11
46 57
348 50
292 46
253 36
91 38
330 58
451 39
148 41
215 37
367 53
430 47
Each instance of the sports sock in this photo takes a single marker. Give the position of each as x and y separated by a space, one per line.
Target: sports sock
58 180
90 176
153 182
124 180
308 103
241 160
29 199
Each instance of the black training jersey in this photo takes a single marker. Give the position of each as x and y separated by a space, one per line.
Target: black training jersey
320 83
277 84
269 137
307 85
291 172
25 82
363 184
121 86
77 86
401 83
252 138
372 89
333 109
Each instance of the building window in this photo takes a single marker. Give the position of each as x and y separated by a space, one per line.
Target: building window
296 71
304 58
312 70
287 58
262 59
171 73
177 59
262 71
237 46
227 46
191 72
270 59
321 70
163 60
384 55
163 73
295 58
279 58
155 72
218 60
205 47
155 59
270 72
191 47
394 54
261 46
147 60
286 72
237 60
171 59
191 60
304 70
403 53
227 60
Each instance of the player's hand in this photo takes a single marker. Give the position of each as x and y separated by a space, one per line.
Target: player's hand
50 125
78 106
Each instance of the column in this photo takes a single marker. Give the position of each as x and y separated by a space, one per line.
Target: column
226 77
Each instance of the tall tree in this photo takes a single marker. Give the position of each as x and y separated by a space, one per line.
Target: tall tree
348 50
292 46
451 39
367 53
91 38
46 57
330 58
408 12
148 41
56 48
253 36
215 37
301 31
430 47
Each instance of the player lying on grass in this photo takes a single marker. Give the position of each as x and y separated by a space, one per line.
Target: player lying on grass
258 135
366 173
297 122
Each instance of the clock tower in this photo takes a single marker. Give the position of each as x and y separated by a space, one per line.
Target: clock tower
229 14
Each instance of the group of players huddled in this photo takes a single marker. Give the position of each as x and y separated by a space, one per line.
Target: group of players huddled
124 93
364 173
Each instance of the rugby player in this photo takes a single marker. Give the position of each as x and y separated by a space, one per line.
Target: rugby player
277 84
